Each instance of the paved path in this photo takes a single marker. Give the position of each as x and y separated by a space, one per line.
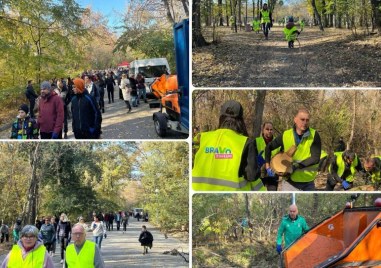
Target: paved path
123 249
118 124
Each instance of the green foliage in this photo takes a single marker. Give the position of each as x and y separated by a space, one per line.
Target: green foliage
149 42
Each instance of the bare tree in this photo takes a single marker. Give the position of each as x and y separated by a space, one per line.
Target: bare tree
198 38
259 106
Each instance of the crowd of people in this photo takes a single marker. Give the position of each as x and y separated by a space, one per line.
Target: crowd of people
226 159
80 99
35 245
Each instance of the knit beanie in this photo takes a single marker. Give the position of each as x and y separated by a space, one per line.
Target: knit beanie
24 107
45 85
79 85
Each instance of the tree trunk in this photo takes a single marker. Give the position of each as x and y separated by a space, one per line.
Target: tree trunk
30 211
220 17
226 10
258 112
186 7
317 15
168 10
376 14
198 38
353 121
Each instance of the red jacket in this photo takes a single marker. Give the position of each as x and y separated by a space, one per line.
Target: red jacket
51 114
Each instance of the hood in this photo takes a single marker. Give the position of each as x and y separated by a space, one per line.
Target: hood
289 25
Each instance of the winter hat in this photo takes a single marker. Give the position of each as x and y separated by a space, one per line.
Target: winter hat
79 84
45 85
29 230
24 107
232 108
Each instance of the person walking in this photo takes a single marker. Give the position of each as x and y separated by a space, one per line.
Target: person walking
92 89
31 95
48 234
28 252
24 127
118 219
126 90
87 117
125 221
145 239
142 92
83 253
234 166
100 83
291 228
16 231
110 83
99 231
134 91
307 155
342 170
4 230
63 234
291 32
66 98
50 113
265 17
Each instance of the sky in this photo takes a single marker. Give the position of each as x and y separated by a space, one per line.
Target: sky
111 9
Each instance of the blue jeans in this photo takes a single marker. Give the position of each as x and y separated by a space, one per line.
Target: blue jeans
98 240
134 101
142 92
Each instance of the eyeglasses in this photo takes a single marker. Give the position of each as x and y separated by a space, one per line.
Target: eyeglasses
29 237
78 234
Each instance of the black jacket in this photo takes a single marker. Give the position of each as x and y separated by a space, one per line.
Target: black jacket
86 115
30 94
146 238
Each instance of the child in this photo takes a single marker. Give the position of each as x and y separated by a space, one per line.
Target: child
291 32
24 127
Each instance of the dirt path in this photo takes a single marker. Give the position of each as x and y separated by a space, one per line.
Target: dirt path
118 124
120 250
324 59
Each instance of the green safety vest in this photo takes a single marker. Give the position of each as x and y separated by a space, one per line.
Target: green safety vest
376 176
265 16
261 145
341 166
85 258
256 25
290 33
323 154
303 152
34 258
217 163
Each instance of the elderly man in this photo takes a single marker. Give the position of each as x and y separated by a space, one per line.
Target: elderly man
83 253
28 252
292 227
307 156
50 113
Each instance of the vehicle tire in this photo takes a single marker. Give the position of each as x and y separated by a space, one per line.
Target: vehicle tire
160 122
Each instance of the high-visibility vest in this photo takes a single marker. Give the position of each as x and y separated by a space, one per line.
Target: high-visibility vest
265 16
376 176
261 146
341 166
303 152
196 141
34 258
85 258
290 34
217 163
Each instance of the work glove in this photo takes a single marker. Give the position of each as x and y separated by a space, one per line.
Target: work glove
279 248
54 135
270 173
345 185
260 160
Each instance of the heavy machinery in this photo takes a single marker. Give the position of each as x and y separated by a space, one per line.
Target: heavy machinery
350 238
173 90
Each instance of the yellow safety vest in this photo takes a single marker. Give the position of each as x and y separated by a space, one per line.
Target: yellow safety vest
261 145
196 141
290 33
85 258
303 152
217 163
34 258
323 154
265 16
341 166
